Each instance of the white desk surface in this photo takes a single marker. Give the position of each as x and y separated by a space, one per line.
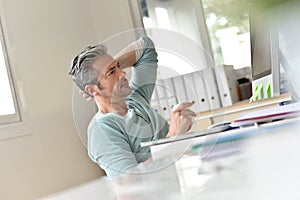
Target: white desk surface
267 167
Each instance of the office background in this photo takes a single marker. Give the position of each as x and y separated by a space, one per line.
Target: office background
42 38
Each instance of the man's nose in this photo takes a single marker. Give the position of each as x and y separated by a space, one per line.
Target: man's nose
122 73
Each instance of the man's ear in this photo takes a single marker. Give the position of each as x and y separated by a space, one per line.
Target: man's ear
91 89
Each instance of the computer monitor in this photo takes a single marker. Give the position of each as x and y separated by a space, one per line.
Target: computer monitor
264 57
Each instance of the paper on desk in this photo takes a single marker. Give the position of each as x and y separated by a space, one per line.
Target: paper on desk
280 112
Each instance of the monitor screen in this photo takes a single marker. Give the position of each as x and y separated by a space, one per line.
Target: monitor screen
260 49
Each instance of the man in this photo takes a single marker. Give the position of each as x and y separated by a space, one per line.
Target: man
125 118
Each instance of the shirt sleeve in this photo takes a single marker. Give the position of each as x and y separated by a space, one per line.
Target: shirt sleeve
110 149
144 71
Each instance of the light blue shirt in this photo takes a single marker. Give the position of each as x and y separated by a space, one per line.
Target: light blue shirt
114 140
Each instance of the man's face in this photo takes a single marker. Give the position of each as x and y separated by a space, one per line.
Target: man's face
111 78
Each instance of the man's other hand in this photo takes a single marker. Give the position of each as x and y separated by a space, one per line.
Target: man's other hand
181 119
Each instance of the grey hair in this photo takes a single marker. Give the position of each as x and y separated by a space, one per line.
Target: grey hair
81 70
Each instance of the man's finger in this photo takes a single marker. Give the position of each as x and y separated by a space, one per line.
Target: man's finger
182 106
89 99
85 96
188 112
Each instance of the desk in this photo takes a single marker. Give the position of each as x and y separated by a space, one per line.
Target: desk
205 119
266 167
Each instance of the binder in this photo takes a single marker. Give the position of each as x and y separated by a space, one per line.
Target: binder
191 92
170 93
201 91
162 99
211 88
227 84
180 89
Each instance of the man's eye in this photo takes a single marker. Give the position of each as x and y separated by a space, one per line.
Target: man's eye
111 72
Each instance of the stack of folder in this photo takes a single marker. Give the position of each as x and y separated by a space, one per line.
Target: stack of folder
199 87
209 89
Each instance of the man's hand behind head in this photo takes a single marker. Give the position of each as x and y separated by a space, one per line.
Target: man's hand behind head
85 96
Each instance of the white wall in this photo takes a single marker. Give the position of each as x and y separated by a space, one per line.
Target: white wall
43 36
110 17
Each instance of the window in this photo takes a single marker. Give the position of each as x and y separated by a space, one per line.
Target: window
220 27
228 27
180 22
8 107
9 110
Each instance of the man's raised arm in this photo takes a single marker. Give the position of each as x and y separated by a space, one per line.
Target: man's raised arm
130 54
